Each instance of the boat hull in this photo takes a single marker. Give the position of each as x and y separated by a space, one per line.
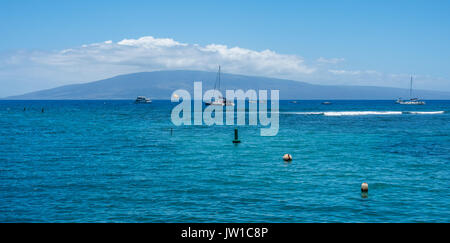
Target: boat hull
412 103
218 104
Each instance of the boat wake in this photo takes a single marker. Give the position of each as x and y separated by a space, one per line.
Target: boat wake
424 112
361 113
364 113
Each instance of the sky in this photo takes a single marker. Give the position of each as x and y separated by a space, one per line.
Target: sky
46 44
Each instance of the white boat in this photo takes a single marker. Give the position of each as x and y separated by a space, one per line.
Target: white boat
142 100
414 101
411 101
220 101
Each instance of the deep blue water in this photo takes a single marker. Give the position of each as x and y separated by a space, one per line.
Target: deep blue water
113 161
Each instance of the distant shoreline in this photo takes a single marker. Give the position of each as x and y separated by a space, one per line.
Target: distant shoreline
161 85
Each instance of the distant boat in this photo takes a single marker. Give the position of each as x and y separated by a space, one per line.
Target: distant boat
411 101
326 103
293 102
220 101
142 100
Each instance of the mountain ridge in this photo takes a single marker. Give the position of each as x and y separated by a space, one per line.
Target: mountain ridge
161 84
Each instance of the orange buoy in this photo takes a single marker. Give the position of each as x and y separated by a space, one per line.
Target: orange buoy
364 187
287 157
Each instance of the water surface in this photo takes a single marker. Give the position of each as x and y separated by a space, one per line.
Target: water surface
113 161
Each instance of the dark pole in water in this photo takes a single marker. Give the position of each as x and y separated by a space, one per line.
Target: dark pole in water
171 131
236 137
42 110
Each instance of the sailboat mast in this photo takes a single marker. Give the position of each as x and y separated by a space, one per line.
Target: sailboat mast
219 78
410 88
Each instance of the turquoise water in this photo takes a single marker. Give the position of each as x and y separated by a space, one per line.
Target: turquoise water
113 161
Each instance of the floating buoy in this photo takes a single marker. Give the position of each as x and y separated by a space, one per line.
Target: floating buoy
42 110
364 187
287 157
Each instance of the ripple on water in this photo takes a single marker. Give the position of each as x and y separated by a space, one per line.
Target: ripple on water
92 161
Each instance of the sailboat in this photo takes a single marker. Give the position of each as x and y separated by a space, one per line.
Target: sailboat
411 101
220 101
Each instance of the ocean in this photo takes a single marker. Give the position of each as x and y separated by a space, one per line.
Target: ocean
115 161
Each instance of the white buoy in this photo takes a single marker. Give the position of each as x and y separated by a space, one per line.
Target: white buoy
287 157
364 187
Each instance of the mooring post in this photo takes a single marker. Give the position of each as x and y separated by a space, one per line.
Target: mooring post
236 137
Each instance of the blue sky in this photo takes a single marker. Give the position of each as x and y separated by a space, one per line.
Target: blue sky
388 37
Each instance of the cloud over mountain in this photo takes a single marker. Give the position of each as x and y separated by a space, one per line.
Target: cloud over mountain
25 71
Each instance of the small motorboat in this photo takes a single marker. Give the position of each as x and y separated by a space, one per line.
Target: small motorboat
142 100
326 103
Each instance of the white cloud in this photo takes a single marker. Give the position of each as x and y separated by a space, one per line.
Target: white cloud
330 60
353 72
149 54
26 71
149 42
344 72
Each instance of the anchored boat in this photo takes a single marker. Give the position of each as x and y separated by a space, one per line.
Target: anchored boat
220 101
142 100
411 101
